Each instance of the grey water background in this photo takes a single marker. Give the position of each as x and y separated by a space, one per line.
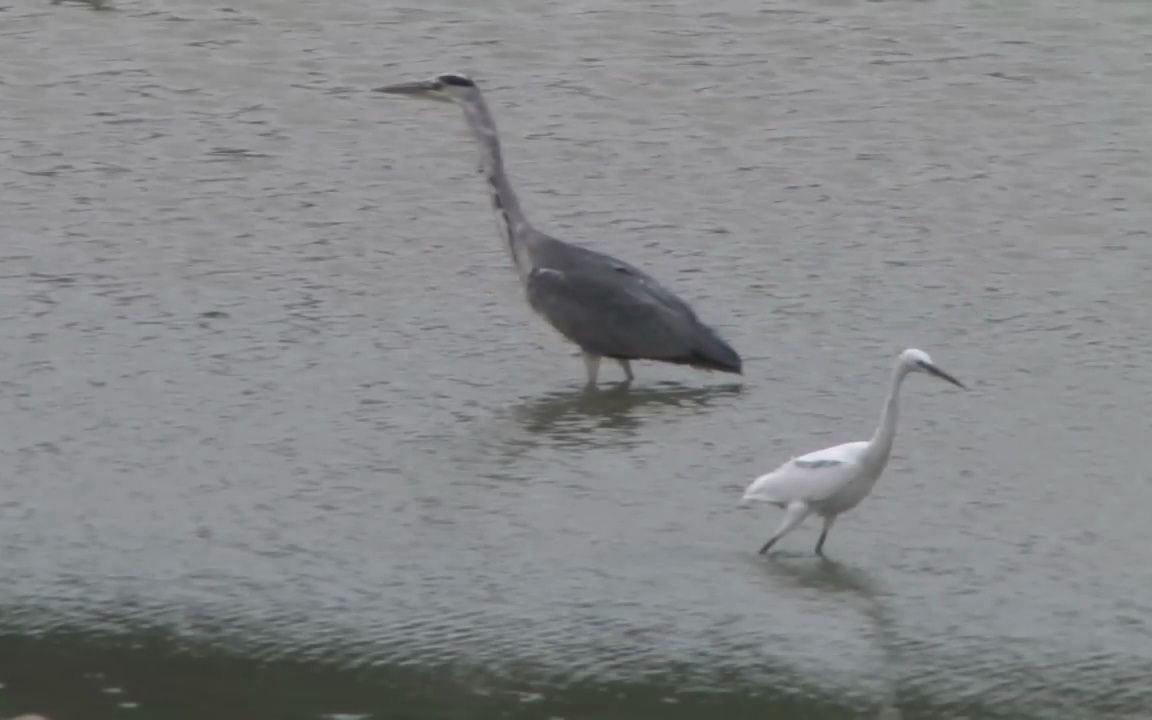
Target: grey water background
281 440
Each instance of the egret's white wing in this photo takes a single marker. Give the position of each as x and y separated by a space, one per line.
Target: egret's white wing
837 454
808 478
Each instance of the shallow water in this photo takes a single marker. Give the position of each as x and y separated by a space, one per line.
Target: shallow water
284 441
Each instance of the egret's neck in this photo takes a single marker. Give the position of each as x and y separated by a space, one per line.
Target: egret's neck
881 444
510 220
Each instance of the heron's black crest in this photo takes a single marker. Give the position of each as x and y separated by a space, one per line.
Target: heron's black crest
458 80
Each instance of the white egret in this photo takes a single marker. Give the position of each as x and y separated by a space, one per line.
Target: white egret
833 480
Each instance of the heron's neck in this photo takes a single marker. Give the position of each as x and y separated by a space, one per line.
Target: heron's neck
881 444
510 220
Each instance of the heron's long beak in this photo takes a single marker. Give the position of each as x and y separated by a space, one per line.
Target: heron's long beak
943 375
421 89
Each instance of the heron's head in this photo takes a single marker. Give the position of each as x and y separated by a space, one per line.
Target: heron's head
449 87
919 361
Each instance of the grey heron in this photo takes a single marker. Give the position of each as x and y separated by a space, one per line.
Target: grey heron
608 308
834 480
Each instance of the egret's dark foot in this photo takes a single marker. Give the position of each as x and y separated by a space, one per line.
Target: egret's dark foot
823 537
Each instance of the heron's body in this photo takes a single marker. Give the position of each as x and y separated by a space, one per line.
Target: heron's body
605 306
834 480
612 309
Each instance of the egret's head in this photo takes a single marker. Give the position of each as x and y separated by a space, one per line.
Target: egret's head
449 87
919 361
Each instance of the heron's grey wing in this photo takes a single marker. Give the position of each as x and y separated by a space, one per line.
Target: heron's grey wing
615 315
582 259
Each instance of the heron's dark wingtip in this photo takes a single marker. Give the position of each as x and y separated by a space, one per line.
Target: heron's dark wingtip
720 364
737 370
715 354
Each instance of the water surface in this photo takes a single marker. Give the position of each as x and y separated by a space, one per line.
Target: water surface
283 441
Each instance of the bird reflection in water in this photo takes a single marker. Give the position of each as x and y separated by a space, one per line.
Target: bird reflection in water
567 417
830 577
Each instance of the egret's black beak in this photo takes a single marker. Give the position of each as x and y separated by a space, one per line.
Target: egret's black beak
933 370
422 88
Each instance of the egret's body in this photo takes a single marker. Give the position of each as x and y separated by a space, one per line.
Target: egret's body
607 307
834 480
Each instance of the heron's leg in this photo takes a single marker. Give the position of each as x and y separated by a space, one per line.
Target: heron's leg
824 534
627 367
592 365
794 514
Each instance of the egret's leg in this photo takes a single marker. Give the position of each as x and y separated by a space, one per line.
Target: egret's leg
794 514
626 366
592 365
824 534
